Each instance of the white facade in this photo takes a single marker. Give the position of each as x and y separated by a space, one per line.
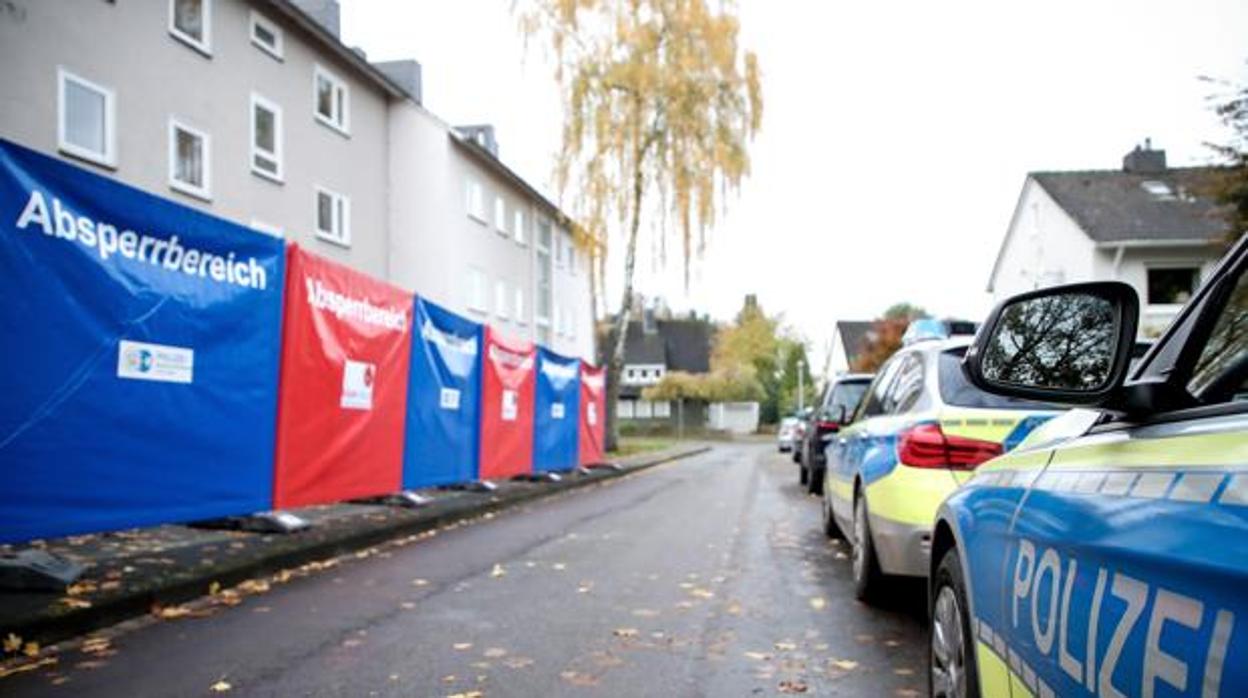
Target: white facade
1045 246
733 417
255 112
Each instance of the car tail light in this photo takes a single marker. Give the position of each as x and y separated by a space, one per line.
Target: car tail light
927 446
829 426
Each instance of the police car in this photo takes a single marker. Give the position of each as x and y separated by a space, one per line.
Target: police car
1108 554
918 433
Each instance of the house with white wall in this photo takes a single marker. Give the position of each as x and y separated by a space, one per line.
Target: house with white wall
1146 224
848 339
256 111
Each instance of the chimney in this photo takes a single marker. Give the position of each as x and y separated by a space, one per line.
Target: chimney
482 135
405 74
325 12
1145 160
648 324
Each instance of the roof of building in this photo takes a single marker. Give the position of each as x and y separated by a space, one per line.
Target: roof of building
1114 206
853 334
676 344
491 161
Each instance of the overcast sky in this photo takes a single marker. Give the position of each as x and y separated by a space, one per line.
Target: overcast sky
896 136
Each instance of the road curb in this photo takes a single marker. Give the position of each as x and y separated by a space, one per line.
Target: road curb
54 624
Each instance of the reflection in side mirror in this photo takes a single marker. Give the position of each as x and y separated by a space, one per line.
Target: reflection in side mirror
1068 344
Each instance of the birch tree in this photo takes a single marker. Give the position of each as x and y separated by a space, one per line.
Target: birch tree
659 105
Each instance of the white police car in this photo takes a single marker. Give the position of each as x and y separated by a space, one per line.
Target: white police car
1107 555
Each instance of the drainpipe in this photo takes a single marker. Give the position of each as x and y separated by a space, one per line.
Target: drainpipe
1118 260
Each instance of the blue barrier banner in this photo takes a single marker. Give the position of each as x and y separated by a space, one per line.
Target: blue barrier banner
556 418
443 399
139 359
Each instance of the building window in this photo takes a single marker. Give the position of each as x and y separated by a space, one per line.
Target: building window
1172 285
266 228
543 272
190 160
500 299
332 100
662 410
517 224
642 410
476 291
86 124
560 254
266 138
520 318
475 199
333 217
190 21
500 216
624 408
266 35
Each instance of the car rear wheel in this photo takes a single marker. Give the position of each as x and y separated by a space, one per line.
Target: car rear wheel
867 575
830 528
814 481
803 475
951 664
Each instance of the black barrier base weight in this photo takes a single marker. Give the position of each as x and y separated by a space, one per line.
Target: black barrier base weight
265 522
605 466
36 570
476 486
406 499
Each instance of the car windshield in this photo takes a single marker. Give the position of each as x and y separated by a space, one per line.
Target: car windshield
847 394
956 390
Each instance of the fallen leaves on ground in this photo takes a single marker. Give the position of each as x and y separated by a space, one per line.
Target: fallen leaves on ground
645 612
902 671
420 582
625 632
758 656
584 587
74 602
793 686
175 612
253 586
786 646
407 605
95 645
844 664
559 567
468 694
220 687
494 653
31 649
80 588
27 666
498 571
214 588
12 643
818 603
461 646
517 662
578 678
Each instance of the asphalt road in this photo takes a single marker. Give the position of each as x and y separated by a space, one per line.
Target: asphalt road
704 577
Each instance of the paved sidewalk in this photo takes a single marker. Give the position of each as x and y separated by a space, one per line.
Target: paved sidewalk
129 573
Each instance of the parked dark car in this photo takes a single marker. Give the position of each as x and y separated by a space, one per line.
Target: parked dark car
836 406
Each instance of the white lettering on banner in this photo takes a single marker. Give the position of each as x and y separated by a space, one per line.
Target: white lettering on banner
510 359
1046 588
155 362
358 379
449 399
462 345
559 372
165 253
556 410
591 414
343 306
511 405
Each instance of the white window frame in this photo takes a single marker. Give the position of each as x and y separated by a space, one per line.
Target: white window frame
278 50
318 72
203 46
279 134
474 199
340 210
200 192
108 158
517 223
519 301
266 228
500 215
1160 265
500 300
478 293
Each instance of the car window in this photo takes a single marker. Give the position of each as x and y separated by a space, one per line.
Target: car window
957 391
908 387
1221 371
874 403
847 395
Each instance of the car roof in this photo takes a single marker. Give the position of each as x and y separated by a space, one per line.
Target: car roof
935 346
848 377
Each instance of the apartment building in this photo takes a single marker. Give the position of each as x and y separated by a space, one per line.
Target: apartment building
255 111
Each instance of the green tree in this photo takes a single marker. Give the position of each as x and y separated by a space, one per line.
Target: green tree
1229 186
794 362
659 105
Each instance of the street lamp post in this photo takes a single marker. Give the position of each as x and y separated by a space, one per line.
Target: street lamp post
801 391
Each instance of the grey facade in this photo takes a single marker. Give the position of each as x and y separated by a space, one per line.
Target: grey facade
387 176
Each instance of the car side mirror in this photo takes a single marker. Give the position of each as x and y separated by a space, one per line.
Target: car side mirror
1067 344
840 415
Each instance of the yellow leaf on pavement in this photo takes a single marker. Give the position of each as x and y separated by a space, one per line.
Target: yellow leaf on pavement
220 687
846 664
12 643
498 571
625 632
31 649
818 603
461 646
214 588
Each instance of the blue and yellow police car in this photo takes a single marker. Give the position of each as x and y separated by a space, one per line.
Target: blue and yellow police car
1108 554
918 433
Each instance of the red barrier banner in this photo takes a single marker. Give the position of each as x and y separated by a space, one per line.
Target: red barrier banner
507 390
341 403
593 414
